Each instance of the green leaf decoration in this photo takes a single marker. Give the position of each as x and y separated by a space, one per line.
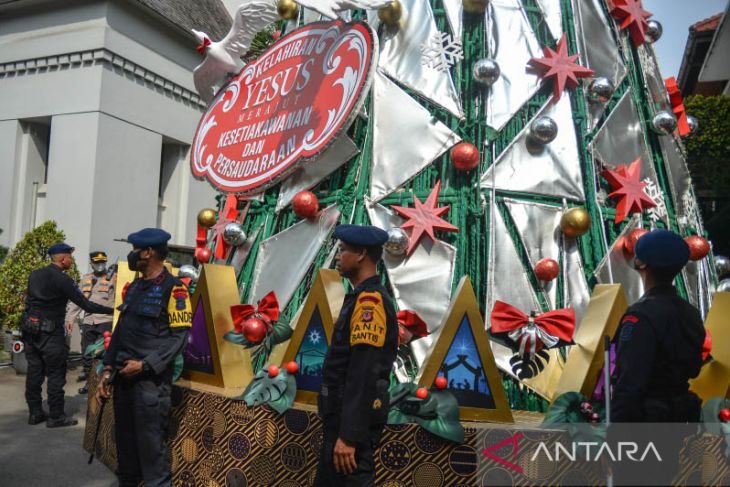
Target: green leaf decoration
438 413
177 367
276 392
710 422
287 398
95 350
238 339
564 413
281 333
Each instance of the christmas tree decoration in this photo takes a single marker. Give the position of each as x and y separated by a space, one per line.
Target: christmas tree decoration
654 31
658 212
543 130
437 412
547 269
600 90
255 322
486 71
616 267
554 170
310 15
707 347
233 234
203 255
292 367
576 291
395 163
400 57
724 415
275 390
273 371
207 217
693 124
290 253
512 44
677 103
664 123
475 6
441 382
441 52
629 189
188 271
331 9
424 218
391 14
722 266
714 380
699 247
465 157
632 17
723 286
305 204
575 222
226 216
560 68
254 330
410 327
454 10
241 253
632 238
553 16
397 243
421 393
287 9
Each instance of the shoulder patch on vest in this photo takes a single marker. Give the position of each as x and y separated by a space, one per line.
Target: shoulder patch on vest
179 309
368 321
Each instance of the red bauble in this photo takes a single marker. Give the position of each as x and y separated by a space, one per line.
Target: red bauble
292 367
273 371
465 157
254 329
203 255
724 415
107 341
441 382
305 204
421 393
594 418
276 35
632 238
699 247
107 334
547 269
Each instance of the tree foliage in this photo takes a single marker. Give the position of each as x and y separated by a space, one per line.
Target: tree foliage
708 150
28 255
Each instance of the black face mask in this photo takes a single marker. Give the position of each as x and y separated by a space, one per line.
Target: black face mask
133 259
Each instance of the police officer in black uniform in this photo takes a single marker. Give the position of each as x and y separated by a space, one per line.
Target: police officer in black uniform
353 402
49 291
152 330
659 348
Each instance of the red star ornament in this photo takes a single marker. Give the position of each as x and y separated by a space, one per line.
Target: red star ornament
632 16
628 188
560 67
424 218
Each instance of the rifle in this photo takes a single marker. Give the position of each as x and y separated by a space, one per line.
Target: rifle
99 415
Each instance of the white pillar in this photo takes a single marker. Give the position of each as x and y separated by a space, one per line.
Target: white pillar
10 134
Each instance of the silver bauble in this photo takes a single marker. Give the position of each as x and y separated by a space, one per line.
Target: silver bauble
600 90
397 241
724 286
693 123
233 234
653 31
722 266
543 130
664 122
188 270
486 71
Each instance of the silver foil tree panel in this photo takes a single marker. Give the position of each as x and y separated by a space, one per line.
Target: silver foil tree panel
401 58
421 282
406 139
553 170
618 269
553 16
658 95
680 181
455 15
284 259
512 43
577 292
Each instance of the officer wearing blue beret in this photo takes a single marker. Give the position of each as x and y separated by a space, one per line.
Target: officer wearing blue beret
49 291
155 317
353 402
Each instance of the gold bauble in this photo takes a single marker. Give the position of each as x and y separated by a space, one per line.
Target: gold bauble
288 9
390 14
207 217
575 222
475 6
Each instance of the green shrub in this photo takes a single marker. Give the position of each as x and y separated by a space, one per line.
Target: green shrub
28 255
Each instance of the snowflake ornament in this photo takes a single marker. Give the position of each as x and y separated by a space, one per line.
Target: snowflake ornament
658 212
441 52
691 212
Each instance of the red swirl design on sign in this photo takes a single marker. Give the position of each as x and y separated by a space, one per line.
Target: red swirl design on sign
284 108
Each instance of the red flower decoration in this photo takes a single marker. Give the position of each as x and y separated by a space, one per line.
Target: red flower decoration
424 218
560 67
632 16
628 188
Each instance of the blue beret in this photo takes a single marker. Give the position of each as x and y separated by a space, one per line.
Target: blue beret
362 235
149 237
662 249
60 248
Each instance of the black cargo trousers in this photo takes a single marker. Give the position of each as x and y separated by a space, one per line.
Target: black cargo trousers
46 353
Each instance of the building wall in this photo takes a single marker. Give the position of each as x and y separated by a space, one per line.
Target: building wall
113 84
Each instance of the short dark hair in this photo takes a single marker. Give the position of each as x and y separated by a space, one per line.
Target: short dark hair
375 252
664 275
161 251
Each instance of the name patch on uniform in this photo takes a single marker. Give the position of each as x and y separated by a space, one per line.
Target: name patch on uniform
179 310
367 324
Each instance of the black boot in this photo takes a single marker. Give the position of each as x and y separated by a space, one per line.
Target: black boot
37 418
82 378
83 390
61 422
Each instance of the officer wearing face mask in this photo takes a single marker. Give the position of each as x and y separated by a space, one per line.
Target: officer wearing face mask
98 287
49 291
155 316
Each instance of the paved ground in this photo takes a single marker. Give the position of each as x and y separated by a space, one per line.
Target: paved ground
38 456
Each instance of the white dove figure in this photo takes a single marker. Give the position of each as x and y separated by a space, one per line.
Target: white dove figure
330 8
224 57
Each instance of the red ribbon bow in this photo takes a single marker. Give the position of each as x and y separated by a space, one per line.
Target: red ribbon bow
675 97
549 328
203 45
410 326
267 310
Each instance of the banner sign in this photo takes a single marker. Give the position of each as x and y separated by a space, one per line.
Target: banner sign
286 107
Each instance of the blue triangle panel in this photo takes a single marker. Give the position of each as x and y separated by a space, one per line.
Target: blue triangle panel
311 354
